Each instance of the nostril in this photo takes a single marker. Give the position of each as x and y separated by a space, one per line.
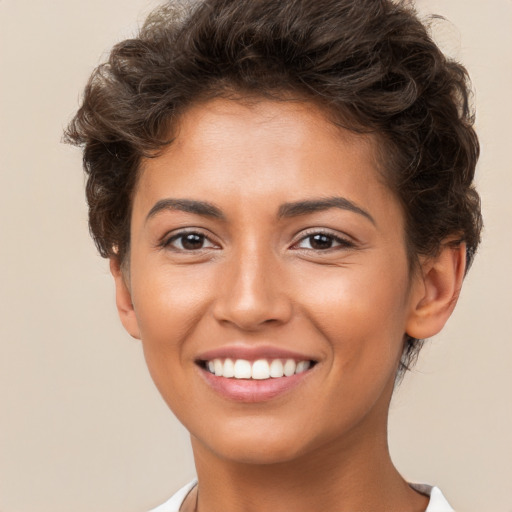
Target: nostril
253 314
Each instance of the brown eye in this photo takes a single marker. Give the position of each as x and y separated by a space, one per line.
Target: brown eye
189 242
320 241
323 242
192 241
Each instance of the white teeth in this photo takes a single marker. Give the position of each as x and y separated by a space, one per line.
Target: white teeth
218 367
289 367
229 368
261 369
302 366
242 369
276 368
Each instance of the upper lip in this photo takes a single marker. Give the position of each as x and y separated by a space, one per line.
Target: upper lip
252 353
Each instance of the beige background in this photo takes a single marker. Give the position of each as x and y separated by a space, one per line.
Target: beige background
81 427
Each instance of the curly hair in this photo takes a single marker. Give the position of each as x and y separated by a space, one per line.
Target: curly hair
370 63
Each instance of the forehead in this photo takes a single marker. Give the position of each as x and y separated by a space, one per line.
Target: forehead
297 122
249 138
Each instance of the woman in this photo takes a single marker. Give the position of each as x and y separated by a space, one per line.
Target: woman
284 191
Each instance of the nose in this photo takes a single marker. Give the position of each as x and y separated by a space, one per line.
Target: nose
252 293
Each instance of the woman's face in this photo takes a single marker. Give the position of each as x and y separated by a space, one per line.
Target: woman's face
264 233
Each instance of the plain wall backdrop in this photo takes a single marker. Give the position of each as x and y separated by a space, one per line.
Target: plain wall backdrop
82 427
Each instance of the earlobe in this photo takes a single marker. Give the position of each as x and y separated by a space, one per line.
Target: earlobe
436 291
124 300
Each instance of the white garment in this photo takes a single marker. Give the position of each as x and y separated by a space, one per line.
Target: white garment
437 501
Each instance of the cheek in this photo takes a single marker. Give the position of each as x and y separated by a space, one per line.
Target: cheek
360 317
169 301
361 311
169 306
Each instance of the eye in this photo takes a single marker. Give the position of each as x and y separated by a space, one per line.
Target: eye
322 242
189 241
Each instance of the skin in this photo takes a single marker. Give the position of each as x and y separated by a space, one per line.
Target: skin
255 278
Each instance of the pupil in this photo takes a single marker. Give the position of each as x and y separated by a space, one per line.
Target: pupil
192 241
321 242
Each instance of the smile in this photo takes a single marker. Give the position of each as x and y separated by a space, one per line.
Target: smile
257 373
261 369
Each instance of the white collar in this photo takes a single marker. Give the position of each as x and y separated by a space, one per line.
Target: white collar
437 501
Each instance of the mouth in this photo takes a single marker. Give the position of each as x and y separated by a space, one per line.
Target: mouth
259 369
249 374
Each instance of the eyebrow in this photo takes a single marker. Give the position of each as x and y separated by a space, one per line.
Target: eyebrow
294 209
316 205
186 205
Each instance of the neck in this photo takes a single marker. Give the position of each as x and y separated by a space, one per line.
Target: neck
340 477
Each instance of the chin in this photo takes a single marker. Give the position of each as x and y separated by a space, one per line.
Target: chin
262 446
260 453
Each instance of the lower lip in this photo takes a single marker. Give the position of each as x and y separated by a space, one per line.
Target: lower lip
253 390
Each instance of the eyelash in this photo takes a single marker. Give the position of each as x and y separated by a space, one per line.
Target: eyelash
342 243
168 242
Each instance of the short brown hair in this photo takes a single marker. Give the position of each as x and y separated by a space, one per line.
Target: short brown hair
371 63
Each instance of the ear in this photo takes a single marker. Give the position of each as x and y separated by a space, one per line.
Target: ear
436 290
124 300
